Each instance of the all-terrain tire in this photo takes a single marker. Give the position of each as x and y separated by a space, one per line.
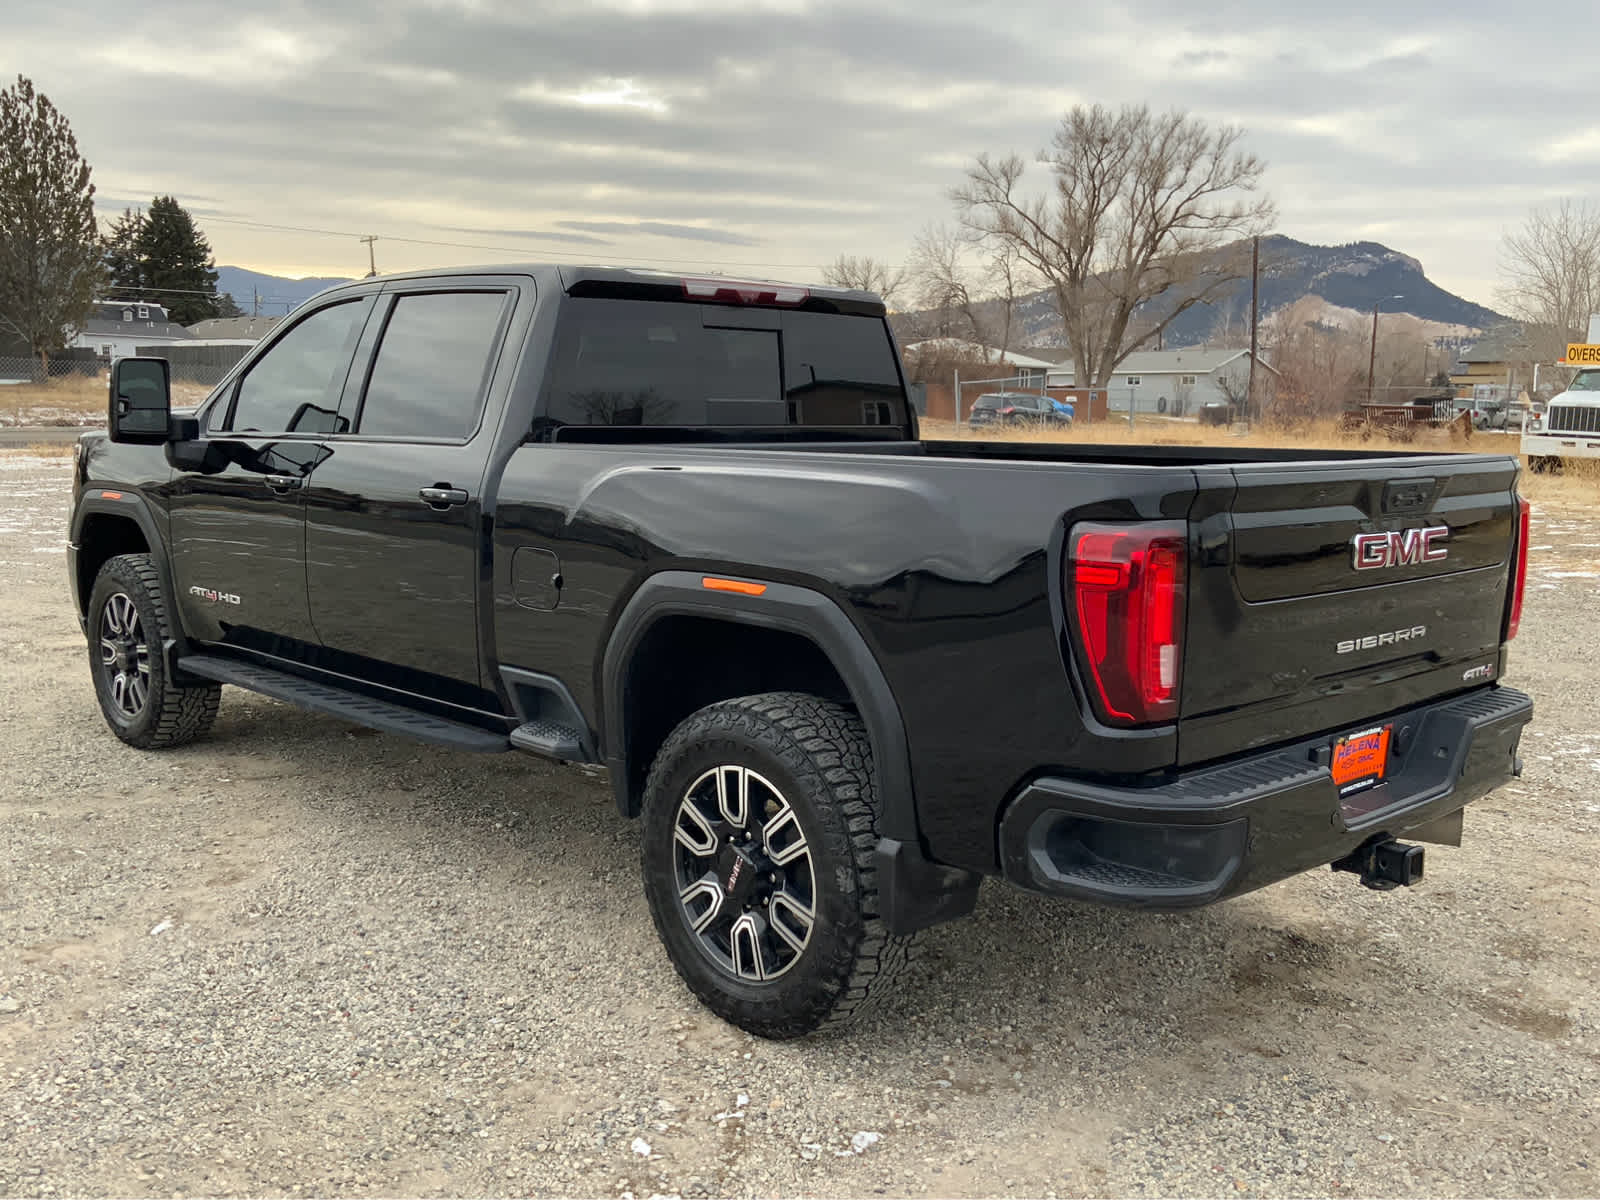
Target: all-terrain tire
146 709
814 756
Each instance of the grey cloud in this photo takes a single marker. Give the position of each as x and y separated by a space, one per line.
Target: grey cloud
1200 58
692 233
802 133
577 239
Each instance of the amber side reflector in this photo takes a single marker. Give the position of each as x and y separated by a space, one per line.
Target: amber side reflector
733 585
111 495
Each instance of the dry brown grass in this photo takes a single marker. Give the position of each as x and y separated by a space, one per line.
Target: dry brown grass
46 449
1578 486
77 396
75 400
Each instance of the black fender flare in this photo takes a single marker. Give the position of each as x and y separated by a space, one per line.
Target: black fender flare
783 607
129 506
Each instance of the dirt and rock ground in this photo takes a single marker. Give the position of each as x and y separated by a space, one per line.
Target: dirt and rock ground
300 959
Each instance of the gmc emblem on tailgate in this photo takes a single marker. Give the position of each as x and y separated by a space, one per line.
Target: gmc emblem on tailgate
1372 551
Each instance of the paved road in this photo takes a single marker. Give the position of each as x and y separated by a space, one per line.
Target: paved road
31 435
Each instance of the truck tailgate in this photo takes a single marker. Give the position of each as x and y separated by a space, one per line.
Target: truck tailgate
1320 598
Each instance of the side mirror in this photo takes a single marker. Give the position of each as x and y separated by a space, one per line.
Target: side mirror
141 401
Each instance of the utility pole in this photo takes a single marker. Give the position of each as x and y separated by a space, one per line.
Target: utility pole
255 302
1372 356
1255 308
372 260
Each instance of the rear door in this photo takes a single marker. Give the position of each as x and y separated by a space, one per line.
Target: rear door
238 506
394 517
1324 595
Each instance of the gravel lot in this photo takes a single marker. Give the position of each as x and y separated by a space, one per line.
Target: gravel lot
298 958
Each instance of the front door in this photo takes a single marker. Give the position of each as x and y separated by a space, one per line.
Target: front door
238 499
394 516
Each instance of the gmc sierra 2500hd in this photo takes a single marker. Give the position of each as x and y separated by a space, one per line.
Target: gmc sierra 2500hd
686 529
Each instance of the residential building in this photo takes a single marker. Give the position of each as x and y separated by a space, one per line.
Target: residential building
232 330
116 328
1176 382
1021 369
1512 359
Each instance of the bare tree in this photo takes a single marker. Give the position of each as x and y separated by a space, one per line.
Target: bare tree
945 284
50 262
1233 382
1550 270
1230 327
866 274
1322 365
1139 208
1006 273
965 287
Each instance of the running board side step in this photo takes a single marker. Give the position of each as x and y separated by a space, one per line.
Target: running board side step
351 706
550 739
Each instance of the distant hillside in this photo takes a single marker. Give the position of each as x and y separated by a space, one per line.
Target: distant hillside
1352 277
277 294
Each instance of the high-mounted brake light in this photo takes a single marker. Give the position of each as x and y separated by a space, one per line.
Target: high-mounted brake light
740 292
1127 586
1519 576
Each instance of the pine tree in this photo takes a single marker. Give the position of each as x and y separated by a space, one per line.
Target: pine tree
50 267
175 259
123 264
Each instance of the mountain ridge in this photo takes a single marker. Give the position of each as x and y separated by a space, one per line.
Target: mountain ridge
1354 275
278 294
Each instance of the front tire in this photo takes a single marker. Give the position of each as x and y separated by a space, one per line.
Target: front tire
760 825
128 625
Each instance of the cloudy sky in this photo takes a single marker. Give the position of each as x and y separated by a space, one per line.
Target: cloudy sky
772 135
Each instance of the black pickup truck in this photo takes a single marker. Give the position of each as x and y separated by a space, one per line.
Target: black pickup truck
685 529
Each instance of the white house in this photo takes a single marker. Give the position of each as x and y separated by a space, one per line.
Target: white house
1176 382
1022 369
116 328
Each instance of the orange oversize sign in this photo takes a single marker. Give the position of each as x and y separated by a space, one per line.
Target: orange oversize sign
1580 355
1361 759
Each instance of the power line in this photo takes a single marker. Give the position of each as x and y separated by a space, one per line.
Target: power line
167 292
410 241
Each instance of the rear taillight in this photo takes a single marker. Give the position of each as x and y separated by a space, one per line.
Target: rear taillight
1006 412
1519 570
1126 589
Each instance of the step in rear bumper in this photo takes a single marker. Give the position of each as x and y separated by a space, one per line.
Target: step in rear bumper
1221 830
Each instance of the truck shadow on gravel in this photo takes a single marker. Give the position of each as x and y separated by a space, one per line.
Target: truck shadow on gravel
1253 974
1020 957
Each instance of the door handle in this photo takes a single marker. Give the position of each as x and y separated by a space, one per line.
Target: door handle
443 497
284 483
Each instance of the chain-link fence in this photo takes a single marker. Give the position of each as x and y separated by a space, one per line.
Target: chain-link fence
204 365
28 369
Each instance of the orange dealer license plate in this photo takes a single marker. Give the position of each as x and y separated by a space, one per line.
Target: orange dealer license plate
1361 759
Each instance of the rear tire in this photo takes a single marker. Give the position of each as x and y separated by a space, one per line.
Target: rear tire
760 826
128 625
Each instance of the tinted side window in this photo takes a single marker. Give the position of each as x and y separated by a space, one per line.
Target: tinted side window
638 362
645 362
432 365
294 387
841 370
